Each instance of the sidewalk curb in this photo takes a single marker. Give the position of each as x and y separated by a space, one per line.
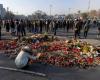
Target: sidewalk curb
23 71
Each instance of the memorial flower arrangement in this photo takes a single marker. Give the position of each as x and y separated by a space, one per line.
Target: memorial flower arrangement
63 53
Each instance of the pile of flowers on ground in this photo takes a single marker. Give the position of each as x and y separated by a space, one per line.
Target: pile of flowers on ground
67 53
63 53
12 47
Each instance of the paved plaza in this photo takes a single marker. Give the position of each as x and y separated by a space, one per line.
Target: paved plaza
52 72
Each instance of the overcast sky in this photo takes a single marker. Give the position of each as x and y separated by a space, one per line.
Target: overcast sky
58 6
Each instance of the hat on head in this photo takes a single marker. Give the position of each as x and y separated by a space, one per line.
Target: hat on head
27 49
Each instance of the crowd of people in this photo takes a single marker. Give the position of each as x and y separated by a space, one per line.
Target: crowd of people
22 27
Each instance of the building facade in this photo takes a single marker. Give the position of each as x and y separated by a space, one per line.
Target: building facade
2 11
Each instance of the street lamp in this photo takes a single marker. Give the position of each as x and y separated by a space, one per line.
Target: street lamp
89 3
7 9
69 10
50 9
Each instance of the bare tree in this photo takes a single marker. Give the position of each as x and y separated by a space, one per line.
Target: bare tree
9 15
93 13
84 15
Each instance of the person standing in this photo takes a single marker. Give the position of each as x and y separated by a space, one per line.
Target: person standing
32 24
7 25
36 26
72 25
68 24
0 28
86 28
55 28
18 28
76 29
41 23
46 25
29 27
53 25
80 27
22 28
64 24
12 24
98 30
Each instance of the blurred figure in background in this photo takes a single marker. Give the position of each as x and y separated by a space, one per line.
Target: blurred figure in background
86 28
98 36
18 28
12 24
76 29
68 24
80 27
7 25
0 28
22 28
56 27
